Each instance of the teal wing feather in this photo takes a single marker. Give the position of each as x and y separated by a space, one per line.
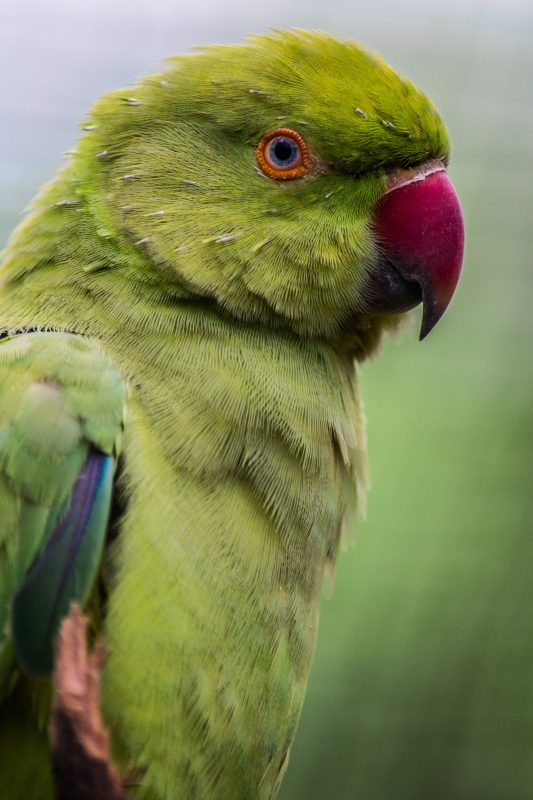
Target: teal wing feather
62 407
66 569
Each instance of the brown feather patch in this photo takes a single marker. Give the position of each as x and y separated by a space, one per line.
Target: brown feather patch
81 761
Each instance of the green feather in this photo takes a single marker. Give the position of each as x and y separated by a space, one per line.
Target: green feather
59 395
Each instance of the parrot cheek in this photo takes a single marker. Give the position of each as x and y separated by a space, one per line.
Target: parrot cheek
420 231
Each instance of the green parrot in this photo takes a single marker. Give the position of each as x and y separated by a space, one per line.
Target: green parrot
182 442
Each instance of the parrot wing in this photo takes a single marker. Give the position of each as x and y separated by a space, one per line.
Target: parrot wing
62 407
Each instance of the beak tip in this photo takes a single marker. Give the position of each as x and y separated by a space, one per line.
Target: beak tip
426 327
431 315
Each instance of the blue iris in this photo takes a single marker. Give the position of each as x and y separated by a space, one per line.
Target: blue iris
283 152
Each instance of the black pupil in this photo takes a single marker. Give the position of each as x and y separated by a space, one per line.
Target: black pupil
284 150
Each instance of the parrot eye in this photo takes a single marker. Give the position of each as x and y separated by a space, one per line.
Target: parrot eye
283 154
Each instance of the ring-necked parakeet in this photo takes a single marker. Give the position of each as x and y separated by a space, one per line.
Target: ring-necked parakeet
181 436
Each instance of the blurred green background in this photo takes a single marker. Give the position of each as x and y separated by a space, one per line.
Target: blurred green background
422 687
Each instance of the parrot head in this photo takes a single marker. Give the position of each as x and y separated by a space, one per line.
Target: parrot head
294 180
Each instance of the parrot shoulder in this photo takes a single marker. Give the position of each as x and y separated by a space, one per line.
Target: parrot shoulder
62 411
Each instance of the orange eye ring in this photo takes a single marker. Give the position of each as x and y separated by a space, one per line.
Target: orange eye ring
283 154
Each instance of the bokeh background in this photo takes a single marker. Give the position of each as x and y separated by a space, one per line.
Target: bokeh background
422 688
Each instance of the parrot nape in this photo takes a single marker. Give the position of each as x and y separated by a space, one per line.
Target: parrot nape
182 441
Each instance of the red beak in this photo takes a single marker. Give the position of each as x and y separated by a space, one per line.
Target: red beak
419 226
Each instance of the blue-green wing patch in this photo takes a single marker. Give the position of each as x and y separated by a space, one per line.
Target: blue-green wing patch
66 570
